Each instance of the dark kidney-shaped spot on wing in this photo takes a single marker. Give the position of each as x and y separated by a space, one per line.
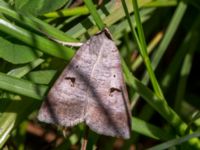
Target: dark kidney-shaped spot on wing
112 90
72 80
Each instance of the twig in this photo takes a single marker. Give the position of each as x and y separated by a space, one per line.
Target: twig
85 139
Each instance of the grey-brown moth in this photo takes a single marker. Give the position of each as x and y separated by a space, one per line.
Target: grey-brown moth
91 89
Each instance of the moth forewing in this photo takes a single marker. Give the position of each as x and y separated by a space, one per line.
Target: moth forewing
91 89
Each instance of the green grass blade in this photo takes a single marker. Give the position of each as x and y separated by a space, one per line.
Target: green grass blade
41 76
6 124
174 23
131 25
175 142
185 70
22 87
158 104
175 64
149 130
36 41
163 3
143 51
139 26
94 14
82 10
35 23
21 71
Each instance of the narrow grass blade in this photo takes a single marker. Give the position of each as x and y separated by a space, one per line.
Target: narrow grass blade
185 71
175 64
36 41
82 10
143 51
173 25
20 72
149 130
22 87
94 14
175 142
41 76
165 3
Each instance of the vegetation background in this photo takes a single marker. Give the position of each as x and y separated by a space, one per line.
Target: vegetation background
159 45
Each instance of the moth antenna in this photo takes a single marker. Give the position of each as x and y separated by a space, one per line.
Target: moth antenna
64 43
72 44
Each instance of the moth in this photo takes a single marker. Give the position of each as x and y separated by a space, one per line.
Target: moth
91 89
